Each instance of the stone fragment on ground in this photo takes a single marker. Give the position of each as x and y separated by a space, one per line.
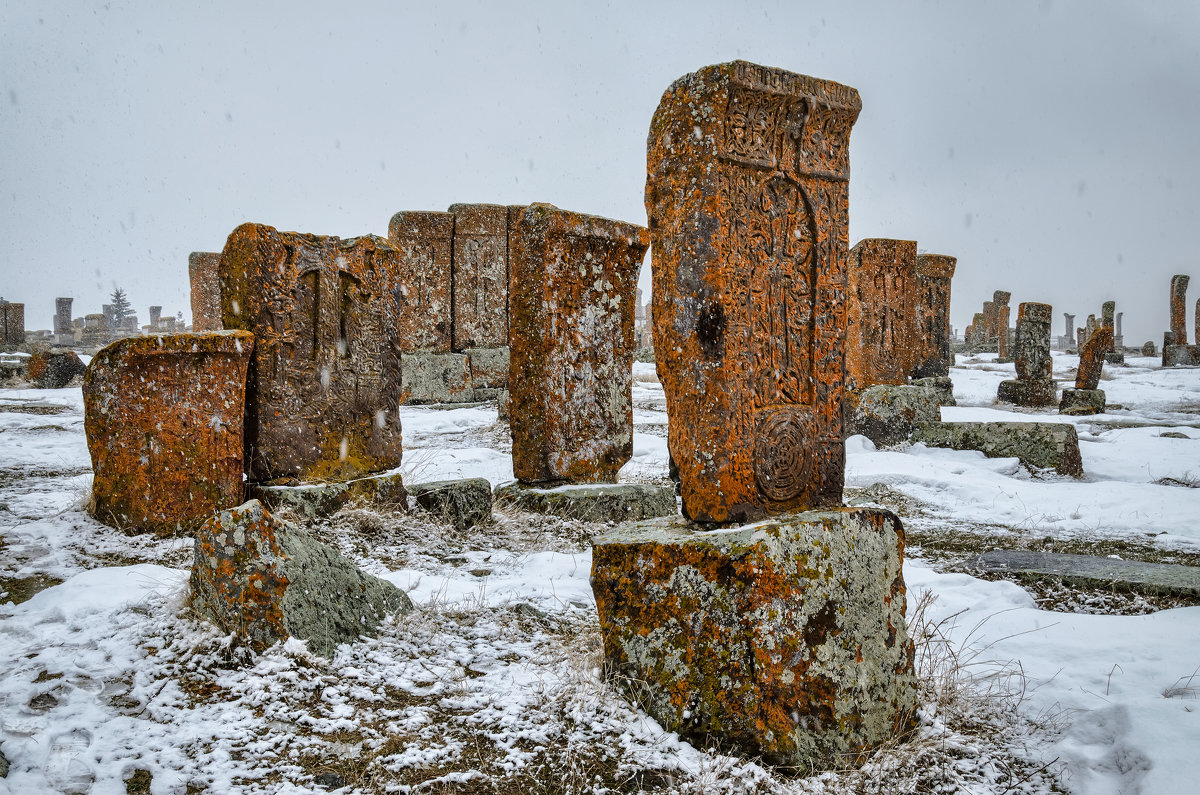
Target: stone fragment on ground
465 503
783 639
1082 402
601 502
887 414
1089 570
54 368
1181 355
1038 445
315 500
265 580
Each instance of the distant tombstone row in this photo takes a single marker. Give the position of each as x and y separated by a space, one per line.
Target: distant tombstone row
1176 350
989 330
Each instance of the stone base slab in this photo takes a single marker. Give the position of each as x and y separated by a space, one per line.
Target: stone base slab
1181 355
594 502
436 378
1034 392
464 503
1040 445
1087 570
1082 401
314 500
886 414
941 385
783 639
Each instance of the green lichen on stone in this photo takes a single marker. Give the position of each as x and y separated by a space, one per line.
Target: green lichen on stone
1038 445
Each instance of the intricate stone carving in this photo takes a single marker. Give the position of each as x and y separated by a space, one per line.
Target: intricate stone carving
480 275
934 355
881 324
1179 285
425 241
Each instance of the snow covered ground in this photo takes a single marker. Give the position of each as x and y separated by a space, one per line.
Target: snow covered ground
494 684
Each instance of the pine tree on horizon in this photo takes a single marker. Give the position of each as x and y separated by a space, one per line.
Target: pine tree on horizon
121 308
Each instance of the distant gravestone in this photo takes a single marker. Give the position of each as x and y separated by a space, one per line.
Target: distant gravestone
1179 285
1000 315
206 290
1033 385
325 381
480 275
1069 330
1148 349
934 356
881 329
62 316
12 323
425 241
1086 397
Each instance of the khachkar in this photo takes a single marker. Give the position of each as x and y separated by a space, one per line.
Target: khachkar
881 300
1086 397
425 241
163 416
12 323
1176 350
999 324
206 290
1033 385
799 653
1067 340
64 329
1108 319
324 385
934 354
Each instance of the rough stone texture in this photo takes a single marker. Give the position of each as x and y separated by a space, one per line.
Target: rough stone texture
164 421
887 414
62 315
1148 349
489 367
1180 355
1032 354
266 580
611 502
785 639
325 382
1118 575
464 503
315 500
54 368
480 275
1082 401
1091 359
1196 320
998 328
571 337
1040 445
1042 392
436 378
942 386
205 282
425 241
882 338
1179 285
12 323
1069 331
746 192
934 355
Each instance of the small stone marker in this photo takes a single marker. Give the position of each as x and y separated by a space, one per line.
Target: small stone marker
205 284
164 421
934 354
315 500
1179 285
325 382
1033 385
1038 445
882 342
425 241
600 502
570 380
1088 570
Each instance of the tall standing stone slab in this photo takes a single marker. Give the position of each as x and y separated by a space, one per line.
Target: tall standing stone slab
480 280
425 241
325 384
206 290
62 316
1086 397
571 353
746 192
1033 385
1179 285
882 343
1069 330
1000 314
934 354
12 323
163 416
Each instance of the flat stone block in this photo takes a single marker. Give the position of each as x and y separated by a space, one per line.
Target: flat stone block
941 385
315 500
1114 357
1033 393
53 369
784 639
435 378
489 367
1041 445
887 414
596 502
1082 401
1124 575
464 503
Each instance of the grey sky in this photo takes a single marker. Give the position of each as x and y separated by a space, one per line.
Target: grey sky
1052 147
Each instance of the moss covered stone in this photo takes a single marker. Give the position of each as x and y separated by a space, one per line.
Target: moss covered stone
604 502
1038 445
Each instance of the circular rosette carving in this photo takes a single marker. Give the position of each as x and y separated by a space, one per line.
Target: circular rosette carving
783 455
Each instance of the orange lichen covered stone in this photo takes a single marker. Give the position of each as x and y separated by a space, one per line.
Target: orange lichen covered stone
163 416
425 241
882 343
325 383
480 280
1179 285
746 192
1091 358
206 290
54 368
784 639
571 344
934 354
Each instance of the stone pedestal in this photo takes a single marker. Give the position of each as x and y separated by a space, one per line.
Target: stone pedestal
315 500
600 502
436 378
1035 392
1037 445
887 414
784 639
1082 401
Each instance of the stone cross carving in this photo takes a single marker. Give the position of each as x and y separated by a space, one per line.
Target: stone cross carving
934 353
881 330
425 241
1032 355
480 278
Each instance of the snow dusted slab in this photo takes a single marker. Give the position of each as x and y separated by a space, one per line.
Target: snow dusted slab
1129 575
599 502
314 500
1041 445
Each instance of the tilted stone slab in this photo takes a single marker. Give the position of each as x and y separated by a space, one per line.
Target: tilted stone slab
164 421
746 192
882 338
571 344
265 580
325 383
315 500
609 502
1088 570
1091 359
1040 445
425 241
784 639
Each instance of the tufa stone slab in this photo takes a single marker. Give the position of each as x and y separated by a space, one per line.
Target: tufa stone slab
934 356
1082 401
608 502
205 282
941 385
164 422
1091 358
882 338
1178 308
1123 575
425 241
480 275
436 378
887 414
315 500
54 368
266 580
465 503
784 639
1040 445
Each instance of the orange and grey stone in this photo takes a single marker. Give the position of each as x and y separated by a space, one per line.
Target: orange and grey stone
746 192
1033 385
206 290
934 354
1091 358
489 367
54 368
571 344
1000 314
480 278
325 382
265 580
882 345
1179 285
785 639
1037 445
12 323
425 241
164 418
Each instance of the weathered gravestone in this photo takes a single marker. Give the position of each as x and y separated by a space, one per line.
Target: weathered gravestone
934 357
1179 285
1148 349
1068 338
54 368
12 323
786 638
425 241
164 418
1108 319
1033 385
325 382
480 275
1000 314
882 342
1086 397
62 316
205 284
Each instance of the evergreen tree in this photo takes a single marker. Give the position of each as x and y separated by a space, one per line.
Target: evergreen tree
120 306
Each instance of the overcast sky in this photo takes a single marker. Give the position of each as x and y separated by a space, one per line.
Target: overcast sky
1053 147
